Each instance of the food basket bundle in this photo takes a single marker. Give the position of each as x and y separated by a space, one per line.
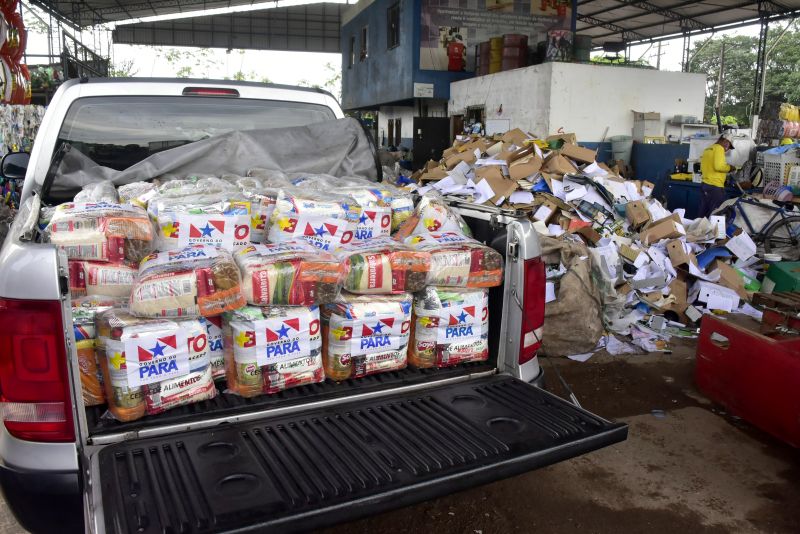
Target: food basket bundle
137 193
384 266
432 214
378 195
152 365
292 273
271 349
100 231
84 310
458 260
216 352
262 203
451 326
196 280
323 218
219 219
99 278
364 335
98 192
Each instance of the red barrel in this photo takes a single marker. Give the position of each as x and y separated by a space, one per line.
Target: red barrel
515 51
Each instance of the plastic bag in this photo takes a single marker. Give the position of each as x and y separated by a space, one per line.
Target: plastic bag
216 352
84 311
101 231
262 204
271 349
384 266
150 366
432 214
450 327
269 177
98 278
97 192
196 280
219 219
324 219
293 273
137 193
364 335
459 261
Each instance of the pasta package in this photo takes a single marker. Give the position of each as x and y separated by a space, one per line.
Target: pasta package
363 335
381 195
150 366
384 266
432 214
101 231
262 204
459 261
97 278
271 349
450 327
84 311
196 280
292 273
217 219
324 219
216 352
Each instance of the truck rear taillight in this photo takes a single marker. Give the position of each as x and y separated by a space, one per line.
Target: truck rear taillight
532 310
34 391
210 91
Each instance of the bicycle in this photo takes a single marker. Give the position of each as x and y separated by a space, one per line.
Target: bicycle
778 235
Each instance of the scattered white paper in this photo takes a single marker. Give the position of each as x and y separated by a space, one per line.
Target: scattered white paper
499 201
477 153
719 302
555 229
581 357
557 186
483 192
543 213
616 347
741 246
594 170
494 150
538 150
462 168
713 276
424 189
574 192
719 222
549 292
693 313
521 197
747 309
540 228
444 183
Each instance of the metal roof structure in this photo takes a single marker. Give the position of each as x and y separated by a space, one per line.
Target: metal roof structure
307 28
634 21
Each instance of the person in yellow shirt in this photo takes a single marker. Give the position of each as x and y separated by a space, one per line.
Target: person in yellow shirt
715 170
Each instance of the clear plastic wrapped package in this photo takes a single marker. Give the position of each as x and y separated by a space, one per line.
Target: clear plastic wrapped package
100 231
384 266
84 310
451 326
216 352
137 193
293 273
98 192
271 349
323 218
99 278
219 219
364 335
196 280
384 196
459 261
432 214
262 203
269 177
152 365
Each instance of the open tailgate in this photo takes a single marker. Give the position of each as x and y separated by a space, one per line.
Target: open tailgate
326 465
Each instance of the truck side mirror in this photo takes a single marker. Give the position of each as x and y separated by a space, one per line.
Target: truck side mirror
14 165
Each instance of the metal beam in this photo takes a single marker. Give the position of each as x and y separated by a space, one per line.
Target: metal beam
625 34
683 20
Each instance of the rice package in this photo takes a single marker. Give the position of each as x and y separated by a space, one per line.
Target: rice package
389 199
363 335
262 203
217 219
98 278
432 214
451 326
196 280
84 310
292 273
152 365
101 231
271 349
216 352
384 266
137 193
324 219
458 260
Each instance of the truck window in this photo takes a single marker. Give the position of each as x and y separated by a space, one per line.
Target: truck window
120 131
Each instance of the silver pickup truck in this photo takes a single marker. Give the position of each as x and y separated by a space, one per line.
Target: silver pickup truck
294 461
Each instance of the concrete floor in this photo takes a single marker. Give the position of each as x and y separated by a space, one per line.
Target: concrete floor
691 468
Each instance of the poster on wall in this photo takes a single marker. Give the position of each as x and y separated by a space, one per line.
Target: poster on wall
450 29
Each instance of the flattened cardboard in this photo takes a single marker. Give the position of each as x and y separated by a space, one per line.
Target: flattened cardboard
525 167
546 212
433 174
449 152
588 234
568 138
558 164
467 157
628 252
502 186
637 213
666 228
678 256
516 136
730 278
578 153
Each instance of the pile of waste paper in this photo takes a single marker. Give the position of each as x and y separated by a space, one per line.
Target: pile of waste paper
624 273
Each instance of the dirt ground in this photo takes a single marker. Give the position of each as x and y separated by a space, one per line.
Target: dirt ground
686 466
